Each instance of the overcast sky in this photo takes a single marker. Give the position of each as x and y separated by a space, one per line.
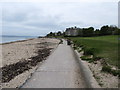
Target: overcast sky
38 18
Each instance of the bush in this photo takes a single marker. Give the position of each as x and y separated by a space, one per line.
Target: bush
119 74
114 72
106 69
91 60
97 58
87 58
79 51
81 45
61 41
74 47
89 51
83 48
109 70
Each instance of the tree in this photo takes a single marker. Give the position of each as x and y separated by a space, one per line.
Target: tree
80 32
104 30
50 34
59 33
114 30
117 31
97 32
88 32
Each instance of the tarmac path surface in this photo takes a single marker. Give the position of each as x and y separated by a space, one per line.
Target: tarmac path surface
60 70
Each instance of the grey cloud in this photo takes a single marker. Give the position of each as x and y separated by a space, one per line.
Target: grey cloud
19 17
34 18
44 22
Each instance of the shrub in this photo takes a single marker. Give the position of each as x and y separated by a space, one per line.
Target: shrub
109 70
89 51
106 69
114 72
97 58
79 51
87 58
91 60
74 47
119 74
83 48
61 41
81 45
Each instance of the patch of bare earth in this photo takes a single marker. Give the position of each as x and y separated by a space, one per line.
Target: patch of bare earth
105 80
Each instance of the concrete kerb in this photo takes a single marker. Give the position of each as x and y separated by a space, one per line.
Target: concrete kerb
86 72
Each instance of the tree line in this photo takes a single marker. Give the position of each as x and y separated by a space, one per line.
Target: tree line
104 30
90 31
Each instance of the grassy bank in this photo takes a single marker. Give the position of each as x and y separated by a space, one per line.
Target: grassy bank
105 46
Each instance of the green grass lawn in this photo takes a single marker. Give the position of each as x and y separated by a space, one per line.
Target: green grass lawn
107 46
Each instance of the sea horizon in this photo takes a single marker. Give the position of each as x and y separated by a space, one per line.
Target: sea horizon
12 38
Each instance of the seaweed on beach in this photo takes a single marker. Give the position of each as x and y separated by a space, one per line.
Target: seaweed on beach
12 70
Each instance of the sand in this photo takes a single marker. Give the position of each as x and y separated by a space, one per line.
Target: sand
105 80
14 52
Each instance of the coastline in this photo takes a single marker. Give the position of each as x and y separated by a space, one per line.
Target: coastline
24 51
16 41
12 38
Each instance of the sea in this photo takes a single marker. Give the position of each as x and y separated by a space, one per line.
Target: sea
6 38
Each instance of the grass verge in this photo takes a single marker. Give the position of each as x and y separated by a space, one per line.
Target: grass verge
102 46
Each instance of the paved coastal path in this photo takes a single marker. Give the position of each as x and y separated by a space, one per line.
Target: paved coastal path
60 70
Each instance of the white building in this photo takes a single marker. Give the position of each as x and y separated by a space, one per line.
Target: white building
71 31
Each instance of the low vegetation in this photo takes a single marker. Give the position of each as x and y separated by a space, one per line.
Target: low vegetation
100 47
61 41
87 58
86 32
100 44
108 69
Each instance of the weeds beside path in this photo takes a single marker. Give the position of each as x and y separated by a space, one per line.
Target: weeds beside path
104 46
101 55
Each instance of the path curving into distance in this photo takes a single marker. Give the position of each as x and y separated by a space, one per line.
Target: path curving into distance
60 70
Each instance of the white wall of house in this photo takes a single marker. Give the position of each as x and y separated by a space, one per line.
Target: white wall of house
73 32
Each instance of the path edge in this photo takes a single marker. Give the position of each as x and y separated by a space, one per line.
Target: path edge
39 64
86 72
